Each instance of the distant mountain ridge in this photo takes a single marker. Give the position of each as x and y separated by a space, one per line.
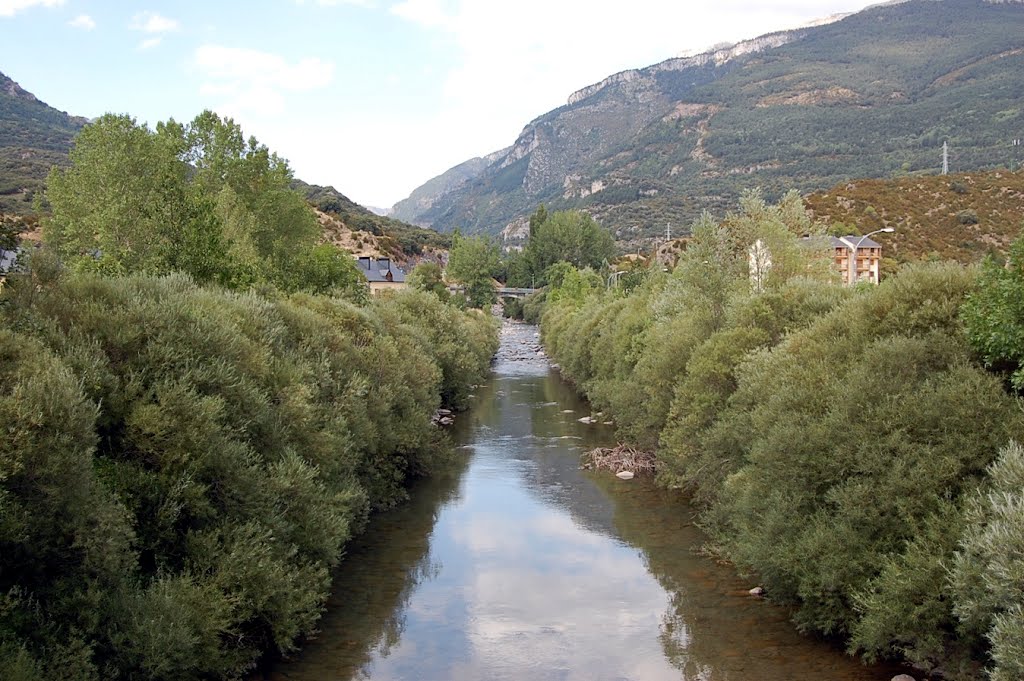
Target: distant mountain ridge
33 137
424 196
871 94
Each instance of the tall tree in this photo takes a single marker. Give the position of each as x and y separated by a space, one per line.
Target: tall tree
474 261
427 276
123 204
197 198
566 236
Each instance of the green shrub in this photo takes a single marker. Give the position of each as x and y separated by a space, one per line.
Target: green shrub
184 465
967 217
855 434
988 572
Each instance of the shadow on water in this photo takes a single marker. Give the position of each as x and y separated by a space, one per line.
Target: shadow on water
515 564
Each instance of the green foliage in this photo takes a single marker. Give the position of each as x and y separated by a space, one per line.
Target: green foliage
832 435
988 572
460 343
862 473
673 316
692 452
474 262
196 198
182 466
911 588
994 316
428 277
533 306
10 229
571 237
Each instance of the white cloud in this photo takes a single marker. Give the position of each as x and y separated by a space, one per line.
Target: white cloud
151 22
254 81
83 21
150 43
8 8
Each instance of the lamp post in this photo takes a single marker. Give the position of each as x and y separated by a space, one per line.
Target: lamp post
852 274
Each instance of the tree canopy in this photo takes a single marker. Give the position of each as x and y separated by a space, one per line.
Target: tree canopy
995 315
197 198
565 236
474 261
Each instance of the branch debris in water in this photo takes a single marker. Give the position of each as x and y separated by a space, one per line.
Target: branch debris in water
618 459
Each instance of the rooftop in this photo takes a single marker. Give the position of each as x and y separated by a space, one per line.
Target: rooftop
380 270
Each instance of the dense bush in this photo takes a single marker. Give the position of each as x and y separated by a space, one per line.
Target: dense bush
846 444
834 437
182 466
988 574
995 316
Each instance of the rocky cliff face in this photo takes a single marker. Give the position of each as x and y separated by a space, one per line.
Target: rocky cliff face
863 95
717 56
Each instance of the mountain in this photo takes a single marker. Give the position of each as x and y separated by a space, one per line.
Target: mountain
358 229
33 137
424 196
872 94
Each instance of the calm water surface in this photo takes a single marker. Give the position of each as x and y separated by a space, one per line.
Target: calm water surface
517 565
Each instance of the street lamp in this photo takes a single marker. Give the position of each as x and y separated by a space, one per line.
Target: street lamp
852 275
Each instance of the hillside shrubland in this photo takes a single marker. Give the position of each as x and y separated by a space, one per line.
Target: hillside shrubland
964 217
848 446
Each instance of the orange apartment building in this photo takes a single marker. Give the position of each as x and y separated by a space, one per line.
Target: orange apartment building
869 258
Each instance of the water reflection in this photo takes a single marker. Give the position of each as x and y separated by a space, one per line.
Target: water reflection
517 565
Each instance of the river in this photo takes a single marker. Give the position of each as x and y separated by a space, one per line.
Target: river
516 564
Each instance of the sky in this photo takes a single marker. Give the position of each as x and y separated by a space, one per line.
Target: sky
374 97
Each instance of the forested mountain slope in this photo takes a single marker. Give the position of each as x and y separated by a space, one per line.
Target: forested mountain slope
872 95
33 137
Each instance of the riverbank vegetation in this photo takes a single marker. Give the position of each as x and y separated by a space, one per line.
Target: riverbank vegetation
850 447
200 409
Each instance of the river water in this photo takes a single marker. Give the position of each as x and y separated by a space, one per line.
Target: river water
515 564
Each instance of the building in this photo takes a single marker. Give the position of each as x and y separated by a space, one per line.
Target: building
381 274
869 258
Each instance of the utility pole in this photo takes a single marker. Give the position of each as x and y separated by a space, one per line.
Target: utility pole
945 158
1015 156
668 232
